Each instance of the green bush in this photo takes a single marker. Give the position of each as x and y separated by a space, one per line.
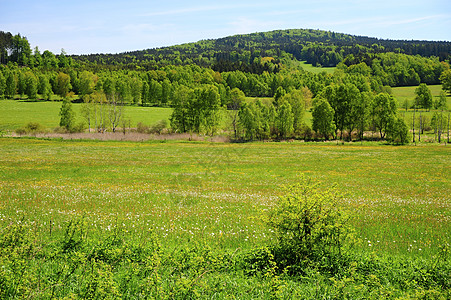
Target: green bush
31 128
310 227
158 127
142 128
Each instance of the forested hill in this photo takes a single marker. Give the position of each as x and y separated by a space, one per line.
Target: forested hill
246 52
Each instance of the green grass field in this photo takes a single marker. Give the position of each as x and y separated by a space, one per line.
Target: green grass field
398 195
17 113
311 68
408 93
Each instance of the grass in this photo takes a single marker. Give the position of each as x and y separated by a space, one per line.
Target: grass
408 93
216 191
313 69
17 113
204 202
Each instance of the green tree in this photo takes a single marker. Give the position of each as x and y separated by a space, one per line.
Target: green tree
10 89
210 103
285 120
236 99
136 90
296 100
247 121
280 92
445 79
423 96
2 85
441 103
21 51
383 111
397 131
21 84
49 60
182 118
67 115
44 87
155 91
323 118
86 83
62 84
37 57
31 85
145 94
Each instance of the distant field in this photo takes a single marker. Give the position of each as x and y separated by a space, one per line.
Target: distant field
311 68
17 113
408 92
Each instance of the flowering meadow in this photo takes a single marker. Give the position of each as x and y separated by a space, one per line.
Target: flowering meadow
168 219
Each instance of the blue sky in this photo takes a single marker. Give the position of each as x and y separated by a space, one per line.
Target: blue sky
82 27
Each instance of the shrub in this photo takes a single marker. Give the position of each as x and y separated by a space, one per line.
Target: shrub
158 127
142 128
310 227
31 128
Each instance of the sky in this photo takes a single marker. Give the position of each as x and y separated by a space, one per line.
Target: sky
111 26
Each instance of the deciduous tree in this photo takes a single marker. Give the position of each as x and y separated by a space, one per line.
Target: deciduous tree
62 84
323 117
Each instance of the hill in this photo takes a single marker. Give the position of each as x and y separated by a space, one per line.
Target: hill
246 51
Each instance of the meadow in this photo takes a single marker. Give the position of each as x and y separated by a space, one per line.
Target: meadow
200 195
18 113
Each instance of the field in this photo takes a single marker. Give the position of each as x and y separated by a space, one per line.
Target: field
216 194
311 68
17 113
408 93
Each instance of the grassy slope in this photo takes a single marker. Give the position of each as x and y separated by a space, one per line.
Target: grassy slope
216 192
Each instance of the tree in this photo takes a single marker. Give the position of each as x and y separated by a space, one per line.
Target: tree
247 121
62 84
280 92
115 109
2 85
323 118
21 84
86 83
210 103
10 89
21 51
296 100
423 96
88 109
383 110
44 87
67 115
31 85
181 118
237 98
397 131
284 120
445 79
441 104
